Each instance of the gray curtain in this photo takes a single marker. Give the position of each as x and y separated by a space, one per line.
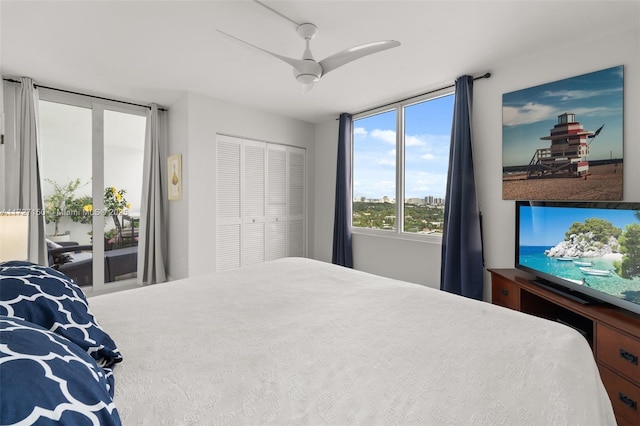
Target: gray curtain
152 249
342 251
22 179
462 269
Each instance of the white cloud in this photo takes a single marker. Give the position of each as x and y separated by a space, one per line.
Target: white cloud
423 184
568 95
533 113
413 141
428 156
527 114
386 187
592 112
360 132
387 162
387 136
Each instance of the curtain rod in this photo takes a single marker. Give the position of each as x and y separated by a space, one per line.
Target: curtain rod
84 94
486 75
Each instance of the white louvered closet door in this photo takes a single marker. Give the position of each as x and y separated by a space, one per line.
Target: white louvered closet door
254 185
276 202
228 203
261 199
296 202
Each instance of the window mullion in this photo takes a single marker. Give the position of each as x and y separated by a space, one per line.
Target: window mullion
400 169
97 188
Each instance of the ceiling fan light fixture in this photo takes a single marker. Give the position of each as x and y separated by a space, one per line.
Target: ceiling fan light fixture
307 78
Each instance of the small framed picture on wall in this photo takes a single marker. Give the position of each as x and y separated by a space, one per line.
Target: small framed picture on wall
174 169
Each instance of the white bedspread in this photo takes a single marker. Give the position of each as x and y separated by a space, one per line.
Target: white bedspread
300 342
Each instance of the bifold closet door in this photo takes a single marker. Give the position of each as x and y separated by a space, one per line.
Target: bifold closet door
296 202
228 203
276 201
253 202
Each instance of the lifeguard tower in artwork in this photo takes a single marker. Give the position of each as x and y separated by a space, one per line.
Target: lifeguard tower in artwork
568 151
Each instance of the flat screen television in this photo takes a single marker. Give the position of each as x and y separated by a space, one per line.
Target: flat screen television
588 250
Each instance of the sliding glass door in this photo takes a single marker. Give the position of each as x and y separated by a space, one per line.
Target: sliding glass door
91 167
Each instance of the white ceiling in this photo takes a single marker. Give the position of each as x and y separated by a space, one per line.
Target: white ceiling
155 51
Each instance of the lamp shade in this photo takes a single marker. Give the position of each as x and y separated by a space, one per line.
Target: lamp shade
14 236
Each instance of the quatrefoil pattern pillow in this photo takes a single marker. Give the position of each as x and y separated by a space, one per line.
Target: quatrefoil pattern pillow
50 299
46 379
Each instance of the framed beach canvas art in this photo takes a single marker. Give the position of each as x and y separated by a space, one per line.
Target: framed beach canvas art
564 140
175 177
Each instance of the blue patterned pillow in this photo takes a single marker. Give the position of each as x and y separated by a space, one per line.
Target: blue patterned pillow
50 299
46 379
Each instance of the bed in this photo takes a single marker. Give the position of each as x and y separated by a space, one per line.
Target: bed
301 342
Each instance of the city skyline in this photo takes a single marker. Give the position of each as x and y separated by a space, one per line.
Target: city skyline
428 199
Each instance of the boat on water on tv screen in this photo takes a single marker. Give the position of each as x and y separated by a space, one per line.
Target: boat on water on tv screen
588 248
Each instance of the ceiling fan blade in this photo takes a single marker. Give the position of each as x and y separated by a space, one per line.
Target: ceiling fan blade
356 52
296 63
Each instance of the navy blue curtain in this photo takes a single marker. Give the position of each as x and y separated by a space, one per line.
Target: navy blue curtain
462 269
342 252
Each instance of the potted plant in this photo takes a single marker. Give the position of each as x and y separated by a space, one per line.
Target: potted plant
115 204
56 204
81 209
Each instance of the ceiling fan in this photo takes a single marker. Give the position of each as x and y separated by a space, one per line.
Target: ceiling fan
307 70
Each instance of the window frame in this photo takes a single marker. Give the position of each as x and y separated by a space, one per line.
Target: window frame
399 107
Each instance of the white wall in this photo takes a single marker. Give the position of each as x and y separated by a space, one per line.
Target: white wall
420 262
326 144
195 230
178 211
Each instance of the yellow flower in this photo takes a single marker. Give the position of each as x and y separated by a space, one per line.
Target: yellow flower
113 189
119 197
128 205
88 208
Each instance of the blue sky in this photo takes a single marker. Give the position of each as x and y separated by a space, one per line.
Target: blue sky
546 226
427 138
595 99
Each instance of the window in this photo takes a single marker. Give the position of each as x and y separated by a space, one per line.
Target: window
402 154
88 148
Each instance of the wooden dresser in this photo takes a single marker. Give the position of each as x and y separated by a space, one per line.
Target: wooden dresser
612 333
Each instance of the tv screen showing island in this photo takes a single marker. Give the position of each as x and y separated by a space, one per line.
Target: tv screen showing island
592 248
